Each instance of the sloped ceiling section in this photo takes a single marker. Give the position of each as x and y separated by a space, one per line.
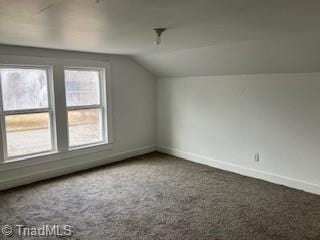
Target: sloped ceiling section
204 37
284 55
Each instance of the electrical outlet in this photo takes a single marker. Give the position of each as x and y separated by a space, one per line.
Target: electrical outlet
257 157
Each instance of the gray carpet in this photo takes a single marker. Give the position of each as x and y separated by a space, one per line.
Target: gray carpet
157 196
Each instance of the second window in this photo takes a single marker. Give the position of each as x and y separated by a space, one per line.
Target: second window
85 100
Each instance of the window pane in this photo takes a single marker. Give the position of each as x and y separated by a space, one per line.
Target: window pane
84 126
27 133
24 88
82 87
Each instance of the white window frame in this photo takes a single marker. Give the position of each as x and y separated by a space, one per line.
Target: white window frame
58 96
101 106
50 110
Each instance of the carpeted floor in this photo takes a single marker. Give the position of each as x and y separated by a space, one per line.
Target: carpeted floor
157 196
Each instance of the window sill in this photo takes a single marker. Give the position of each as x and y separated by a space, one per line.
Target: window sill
52 156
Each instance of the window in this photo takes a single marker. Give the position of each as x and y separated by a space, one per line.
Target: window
85 105
26 111
53 107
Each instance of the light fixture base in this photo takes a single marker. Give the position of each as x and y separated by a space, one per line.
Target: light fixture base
159 32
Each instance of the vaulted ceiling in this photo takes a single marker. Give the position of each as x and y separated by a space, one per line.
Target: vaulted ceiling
204 37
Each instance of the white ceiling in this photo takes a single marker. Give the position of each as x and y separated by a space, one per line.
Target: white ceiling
282 55
125 26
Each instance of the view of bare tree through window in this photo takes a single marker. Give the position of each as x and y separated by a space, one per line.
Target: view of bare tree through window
26 89
83 89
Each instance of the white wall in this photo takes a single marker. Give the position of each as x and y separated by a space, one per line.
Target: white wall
220 121
223 121
133 99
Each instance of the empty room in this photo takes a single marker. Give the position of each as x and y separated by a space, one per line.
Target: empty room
169 120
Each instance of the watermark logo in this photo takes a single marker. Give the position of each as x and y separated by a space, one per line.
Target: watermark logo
37 231
6 230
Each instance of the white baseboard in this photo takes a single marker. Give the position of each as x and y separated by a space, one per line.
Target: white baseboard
102 159
96 160
286 181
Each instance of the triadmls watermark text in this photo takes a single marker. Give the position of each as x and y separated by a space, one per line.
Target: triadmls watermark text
37 231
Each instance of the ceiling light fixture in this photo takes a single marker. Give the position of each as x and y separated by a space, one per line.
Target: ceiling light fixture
159 32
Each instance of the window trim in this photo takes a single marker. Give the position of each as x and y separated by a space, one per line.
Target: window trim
62 152
50 110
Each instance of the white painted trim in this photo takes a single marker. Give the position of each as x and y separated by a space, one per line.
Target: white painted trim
55 68
49 61
98 160
269 177
51 156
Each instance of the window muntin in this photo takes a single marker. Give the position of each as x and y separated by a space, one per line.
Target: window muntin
26 111
85 106
51 105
